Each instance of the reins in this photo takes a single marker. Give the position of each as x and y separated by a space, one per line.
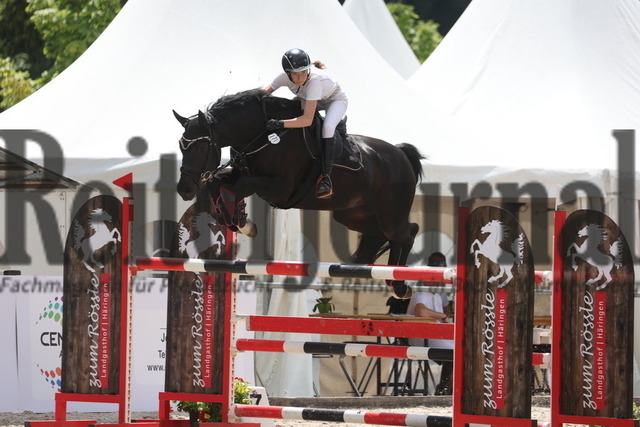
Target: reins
238 159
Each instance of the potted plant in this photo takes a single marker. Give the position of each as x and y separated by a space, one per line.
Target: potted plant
324 305
211 412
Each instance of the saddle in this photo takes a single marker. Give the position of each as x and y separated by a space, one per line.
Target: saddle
347 153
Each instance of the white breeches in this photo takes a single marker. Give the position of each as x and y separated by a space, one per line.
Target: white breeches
334 112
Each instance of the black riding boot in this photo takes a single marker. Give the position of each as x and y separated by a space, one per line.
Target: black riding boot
324 187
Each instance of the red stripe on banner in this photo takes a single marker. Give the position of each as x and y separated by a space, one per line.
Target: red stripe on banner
501 347
426 274
104 349
207 336
247 344
600 355
385 418
281 268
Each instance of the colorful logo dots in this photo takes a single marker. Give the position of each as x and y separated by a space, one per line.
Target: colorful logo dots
53 377
53 311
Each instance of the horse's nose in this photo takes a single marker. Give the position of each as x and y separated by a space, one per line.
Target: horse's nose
186 192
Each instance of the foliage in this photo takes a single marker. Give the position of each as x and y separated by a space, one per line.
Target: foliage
15 82
68 27
211 412
423 37
18 37
57 32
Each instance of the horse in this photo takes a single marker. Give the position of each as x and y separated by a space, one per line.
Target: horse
205 238
101 237
282 169
589 252
491 249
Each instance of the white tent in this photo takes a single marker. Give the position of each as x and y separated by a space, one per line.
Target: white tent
536 84
532 91
376 23
165 54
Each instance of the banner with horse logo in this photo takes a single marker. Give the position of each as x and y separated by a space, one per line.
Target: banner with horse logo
91 294
596 372
196 303
499 310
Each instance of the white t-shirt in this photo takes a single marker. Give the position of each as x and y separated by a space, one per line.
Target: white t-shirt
433 302
318 87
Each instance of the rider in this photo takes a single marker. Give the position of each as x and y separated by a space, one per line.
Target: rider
317 90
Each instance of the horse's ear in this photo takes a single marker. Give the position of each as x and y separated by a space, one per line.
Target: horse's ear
202 118
183 120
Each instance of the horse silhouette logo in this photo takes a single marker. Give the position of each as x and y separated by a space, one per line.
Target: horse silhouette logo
204 239
100 237
590 252
491 248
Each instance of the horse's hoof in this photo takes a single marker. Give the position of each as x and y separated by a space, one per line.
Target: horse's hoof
250 229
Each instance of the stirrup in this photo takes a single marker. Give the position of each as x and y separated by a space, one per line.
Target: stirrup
324 188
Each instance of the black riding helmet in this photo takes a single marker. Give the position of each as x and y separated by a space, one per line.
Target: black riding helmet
295 60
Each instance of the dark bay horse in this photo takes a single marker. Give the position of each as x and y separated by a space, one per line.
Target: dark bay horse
374 201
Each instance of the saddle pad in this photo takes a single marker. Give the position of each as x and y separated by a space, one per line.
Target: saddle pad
351 157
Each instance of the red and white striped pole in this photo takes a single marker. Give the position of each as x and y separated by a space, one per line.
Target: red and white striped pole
341 416
289 268
321 269
362 350
346 349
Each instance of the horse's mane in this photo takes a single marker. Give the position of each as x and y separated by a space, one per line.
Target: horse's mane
502 229
596 231
229 104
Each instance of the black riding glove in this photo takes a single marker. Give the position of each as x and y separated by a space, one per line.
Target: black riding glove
274 124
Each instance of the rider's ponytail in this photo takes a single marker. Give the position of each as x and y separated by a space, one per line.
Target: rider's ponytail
319 64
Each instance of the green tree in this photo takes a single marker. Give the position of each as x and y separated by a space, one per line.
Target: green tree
59 31
15 83
68 27
423 37
18 36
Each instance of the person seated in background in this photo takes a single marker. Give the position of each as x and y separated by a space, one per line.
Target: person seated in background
397 306
432 304
437 259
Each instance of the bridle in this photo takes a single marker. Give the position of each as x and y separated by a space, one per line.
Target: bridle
238 160
205 175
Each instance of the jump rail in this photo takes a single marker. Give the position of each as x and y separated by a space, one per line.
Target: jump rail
341 416
346 349
361 350
289 268
320 269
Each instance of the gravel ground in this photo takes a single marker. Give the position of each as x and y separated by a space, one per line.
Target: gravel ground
539 411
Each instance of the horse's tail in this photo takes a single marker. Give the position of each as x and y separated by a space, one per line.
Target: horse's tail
518 248
415 158
78 234
616 252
